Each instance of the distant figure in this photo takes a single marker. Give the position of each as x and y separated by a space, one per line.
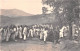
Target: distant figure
51 35
41 34
14 36
61 34
31 32
12 32
45 32
37 31
20 32
8 34
34 30
1 34
24 33
56 36
5 34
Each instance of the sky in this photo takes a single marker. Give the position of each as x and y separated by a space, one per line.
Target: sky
29 6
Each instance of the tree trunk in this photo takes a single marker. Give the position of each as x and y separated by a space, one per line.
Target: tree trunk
70 31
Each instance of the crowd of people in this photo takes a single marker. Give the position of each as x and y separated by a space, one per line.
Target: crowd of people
44 32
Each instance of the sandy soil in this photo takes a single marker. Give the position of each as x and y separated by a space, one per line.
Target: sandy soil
36 45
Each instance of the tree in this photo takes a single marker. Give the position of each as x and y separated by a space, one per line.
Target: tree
64 8
44 10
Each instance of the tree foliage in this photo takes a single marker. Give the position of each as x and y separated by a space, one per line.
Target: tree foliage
64 9
44 10
67 7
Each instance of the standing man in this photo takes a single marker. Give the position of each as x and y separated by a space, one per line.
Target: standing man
45 34
20 32
24 33
56 36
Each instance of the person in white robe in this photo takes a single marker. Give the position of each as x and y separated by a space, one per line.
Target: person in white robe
25 33
45 35
20 32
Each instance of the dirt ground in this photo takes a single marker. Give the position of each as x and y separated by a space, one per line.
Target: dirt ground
37 45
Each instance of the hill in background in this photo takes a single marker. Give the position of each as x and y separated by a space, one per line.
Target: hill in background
18 17
13 13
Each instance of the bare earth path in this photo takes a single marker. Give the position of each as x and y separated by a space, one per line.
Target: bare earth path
29 45
35 44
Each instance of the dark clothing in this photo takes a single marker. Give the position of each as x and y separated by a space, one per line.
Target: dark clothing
56 36
50 36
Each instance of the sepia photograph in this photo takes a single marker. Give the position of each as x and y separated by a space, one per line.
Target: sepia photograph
39 25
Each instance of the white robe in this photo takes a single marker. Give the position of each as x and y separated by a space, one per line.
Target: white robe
24 33
20 32
45 35
41 35
31 31
61 34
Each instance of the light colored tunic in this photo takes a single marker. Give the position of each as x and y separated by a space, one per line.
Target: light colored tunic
24 33
45 34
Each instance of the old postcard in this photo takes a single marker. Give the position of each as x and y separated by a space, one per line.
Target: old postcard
39 25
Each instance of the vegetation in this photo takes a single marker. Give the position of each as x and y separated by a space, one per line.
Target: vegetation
68 9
